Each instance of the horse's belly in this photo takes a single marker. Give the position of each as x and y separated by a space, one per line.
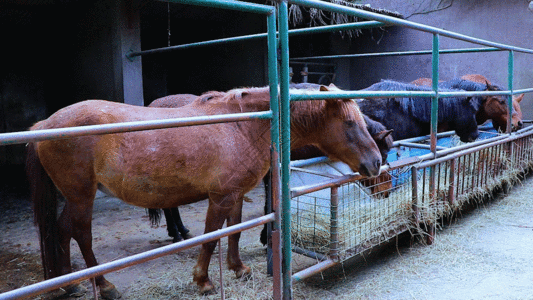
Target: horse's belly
149 193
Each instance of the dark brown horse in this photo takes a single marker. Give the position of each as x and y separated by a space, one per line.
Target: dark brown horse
494 107
170 167
411 116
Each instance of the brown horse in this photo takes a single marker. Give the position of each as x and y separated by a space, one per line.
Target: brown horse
379 186
500 119
170 167
494 107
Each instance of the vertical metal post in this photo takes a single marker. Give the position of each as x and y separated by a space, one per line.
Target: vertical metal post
285 149
434 123
451 183
510 72
435 86
414 194
334 234
273 76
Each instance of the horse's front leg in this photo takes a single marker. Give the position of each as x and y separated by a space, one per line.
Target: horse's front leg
215 217
234 259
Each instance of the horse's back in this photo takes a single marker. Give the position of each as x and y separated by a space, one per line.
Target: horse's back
172 101
145 168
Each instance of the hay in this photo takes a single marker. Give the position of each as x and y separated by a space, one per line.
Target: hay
365 221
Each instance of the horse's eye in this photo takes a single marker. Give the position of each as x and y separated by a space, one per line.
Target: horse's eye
349 123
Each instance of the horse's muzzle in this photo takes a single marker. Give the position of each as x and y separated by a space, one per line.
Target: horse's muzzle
370 169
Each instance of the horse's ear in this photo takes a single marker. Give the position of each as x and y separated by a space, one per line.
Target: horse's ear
519 98
491 87
383 134
324 88
475 102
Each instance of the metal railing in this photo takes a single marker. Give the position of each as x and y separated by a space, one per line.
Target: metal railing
280 123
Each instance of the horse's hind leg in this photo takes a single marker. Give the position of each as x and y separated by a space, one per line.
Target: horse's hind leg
215 217
233 259
179 224
76 220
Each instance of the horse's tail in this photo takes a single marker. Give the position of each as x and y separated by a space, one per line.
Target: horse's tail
154 214
44 196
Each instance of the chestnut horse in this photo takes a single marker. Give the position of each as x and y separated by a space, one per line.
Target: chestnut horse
494 107
379 186
500 120
170 167
411 116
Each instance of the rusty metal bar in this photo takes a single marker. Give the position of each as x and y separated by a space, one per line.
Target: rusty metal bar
451 195
414 194
334 234
322 266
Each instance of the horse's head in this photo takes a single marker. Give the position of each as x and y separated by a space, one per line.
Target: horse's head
345 136
382 137
464 122
495 108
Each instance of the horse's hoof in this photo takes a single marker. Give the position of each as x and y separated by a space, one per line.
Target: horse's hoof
109 292
244 273
187 236
177 238
75 290
207 288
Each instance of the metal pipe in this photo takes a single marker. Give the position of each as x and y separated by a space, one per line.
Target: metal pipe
295 32
510 67
309 253
285 149
306 273
420 146
57 282
334 234
399 53
230 4
300 95
327 6
63 133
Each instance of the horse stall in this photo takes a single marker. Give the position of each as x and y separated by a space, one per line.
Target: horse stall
323 209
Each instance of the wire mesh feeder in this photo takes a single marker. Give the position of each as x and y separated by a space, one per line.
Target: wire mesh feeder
362 220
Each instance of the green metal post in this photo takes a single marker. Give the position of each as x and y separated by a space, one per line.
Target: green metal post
274 253
510 87
285 149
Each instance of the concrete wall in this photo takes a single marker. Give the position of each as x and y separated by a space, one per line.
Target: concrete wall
508 22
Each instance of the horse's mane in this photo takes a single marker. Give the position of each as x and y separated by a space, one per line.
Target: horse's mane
467 85
304 114
420 107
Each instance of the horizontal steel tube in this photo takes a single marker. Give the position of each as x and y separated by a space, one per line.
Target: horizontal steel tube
521 91
309 253
230 4
319 29
300 95
54 283
306 273
400 53
420 146
401 22
63 133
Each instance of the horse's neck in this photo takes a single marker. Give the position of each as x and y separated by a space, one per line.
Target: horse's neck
306 122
